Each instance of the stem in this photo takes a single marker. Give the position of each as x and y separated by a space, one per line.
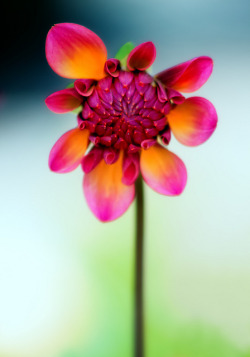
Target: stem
139 323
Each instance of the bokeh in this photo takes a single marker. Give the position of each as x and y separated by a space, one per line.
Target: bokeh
66 280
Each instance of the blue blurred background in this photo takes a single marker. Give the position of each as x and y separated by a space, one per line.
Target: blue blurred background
66 280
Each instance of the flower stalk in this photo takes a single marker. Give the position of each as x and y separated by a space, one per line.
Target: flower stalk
139 250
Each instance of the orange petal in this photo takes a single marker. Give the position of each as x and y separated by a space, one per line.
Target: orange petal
106 195
68 151
73 51
163 171
194 121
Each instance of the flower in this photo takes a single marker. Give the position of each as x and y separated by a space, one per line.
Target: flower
125 117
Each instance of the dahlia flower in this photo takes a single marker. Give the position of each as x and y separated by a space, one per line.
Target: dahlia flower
125 117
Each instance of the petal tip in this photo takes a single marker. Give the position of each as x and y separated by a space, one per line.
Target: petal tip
68 151
63 101
163 171
142 56
194 121
106 195
74 51
188 76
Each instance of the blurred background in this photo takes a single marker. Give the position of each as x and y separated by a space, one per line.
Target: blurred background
66 280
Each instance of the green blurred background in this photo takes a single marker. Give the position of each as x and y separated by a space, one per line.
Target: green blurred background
66 280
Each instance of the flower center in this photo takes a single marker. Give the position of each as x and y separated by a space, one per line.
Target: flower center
125 112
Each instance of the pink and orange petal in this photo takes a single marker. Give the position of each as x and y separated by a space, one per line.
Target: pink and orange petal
73 51
67 153
188 76
63 101
163 171
194 121
106 195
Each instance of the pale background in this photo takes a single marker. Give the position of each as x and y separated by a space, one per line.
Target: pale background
66 280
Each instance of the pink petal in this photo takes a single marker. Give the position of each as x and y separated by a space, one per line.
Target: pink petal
161 93
146 144
194 121
106 195
176 97
163 171
141 57
84 87
68 151
92 159
110 155
80 122
73 51
131 168
166 136
63 101
112 67
188 76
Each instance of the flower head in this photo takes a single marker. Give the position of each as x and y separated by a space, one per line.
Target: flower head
125 117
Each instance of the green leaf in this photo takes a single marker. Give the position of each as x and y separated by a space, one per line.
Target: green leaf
123 53
77 110
71 85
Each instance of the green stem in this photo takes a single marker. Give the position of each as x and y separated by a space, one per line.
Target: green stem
139 323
